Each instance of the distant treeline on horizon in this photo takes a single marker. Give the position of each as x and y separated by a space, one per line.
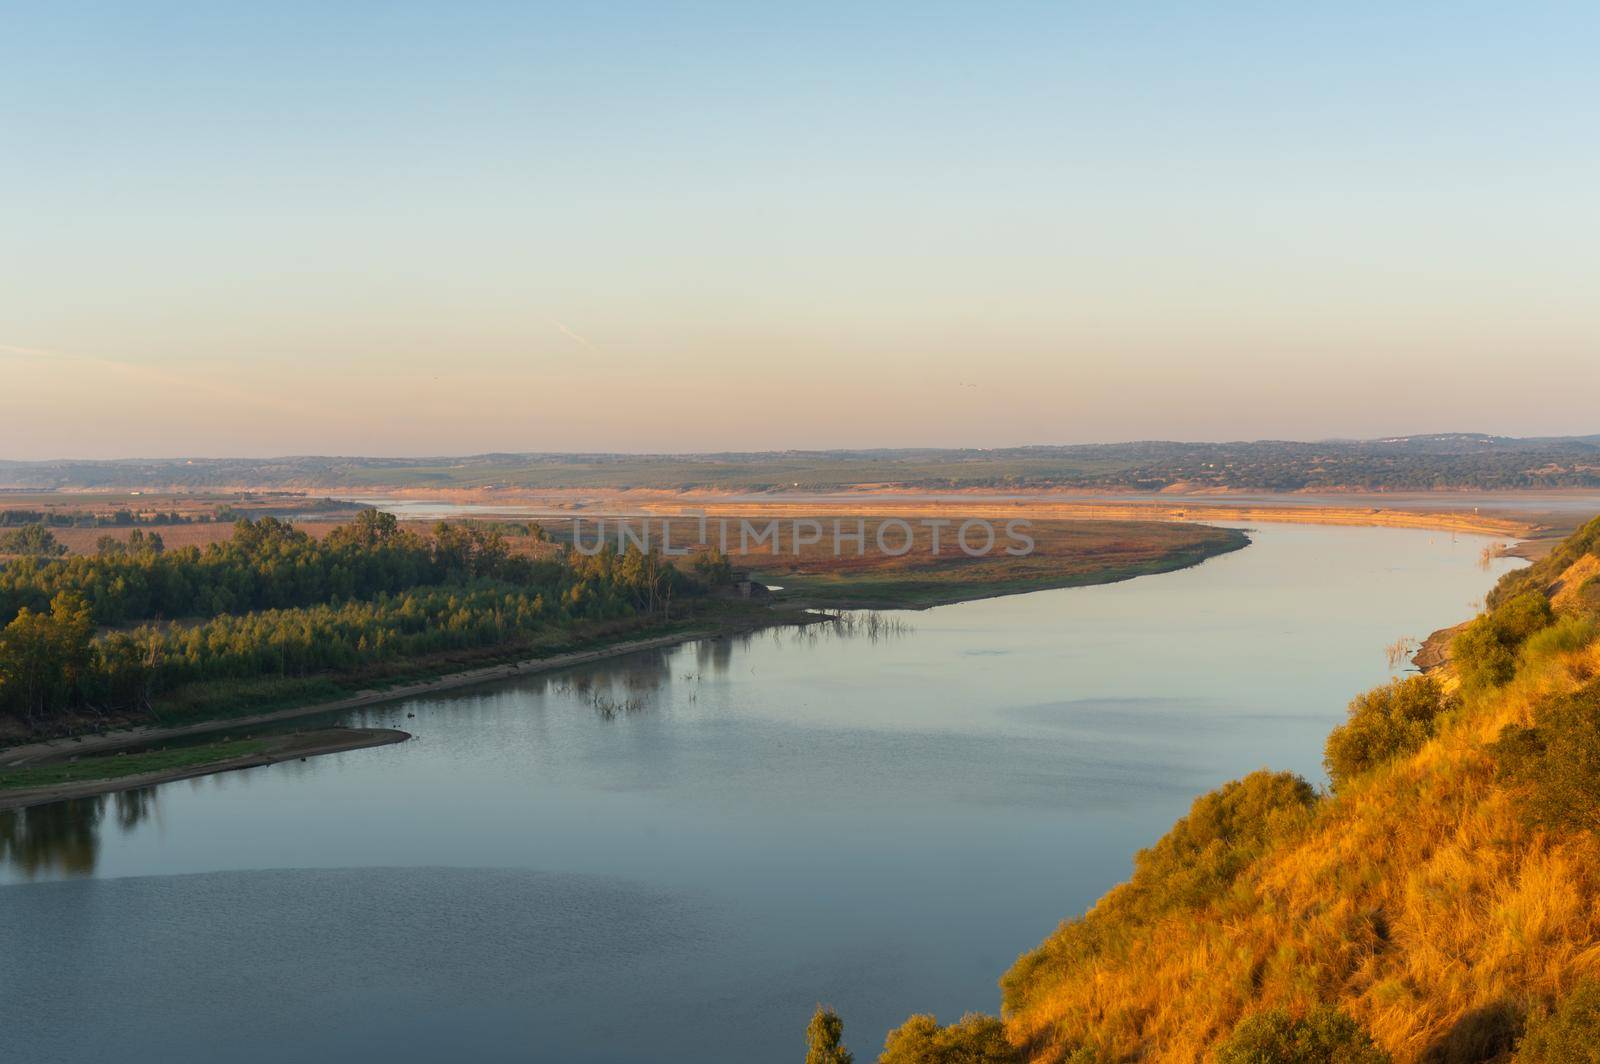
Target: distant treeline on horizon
1451 461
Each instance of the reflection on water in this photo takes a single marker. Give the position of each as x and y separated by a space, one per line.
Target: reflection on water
628 686
63 838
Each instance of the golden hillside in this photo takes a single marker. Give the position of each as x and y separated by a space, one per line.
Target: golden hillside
1433 897
1441 904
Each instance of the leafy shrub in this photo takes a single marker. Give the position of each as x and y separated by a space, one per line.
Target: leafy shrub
1554 766
1323 1036
1194 864
1385 723
1565 635
977 1039
1570 1035
1225 830
1485 653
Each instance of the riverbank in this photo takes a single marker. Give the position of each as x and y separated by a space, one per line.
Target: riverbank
83 777
1065 555
49 750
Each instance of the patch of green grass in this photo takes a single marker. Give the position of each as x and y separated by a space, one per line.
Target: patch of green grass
115 766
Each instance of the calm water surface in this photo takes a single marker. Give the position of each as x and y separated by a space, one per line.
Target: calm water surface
674 856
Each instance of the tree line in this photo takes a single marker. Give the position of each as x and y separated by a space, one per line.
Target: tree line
277 603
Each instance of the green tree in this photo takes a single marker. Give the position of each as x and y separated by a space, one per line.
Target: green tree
43 656
825 1039
32 540
1322 1036
371 528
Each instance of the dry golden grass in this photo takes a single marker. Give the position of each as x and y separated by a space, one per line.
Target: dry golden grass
1414 900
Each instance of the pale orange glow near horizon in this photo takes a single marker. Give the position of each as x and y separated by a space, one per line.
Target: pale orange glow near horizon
1063 226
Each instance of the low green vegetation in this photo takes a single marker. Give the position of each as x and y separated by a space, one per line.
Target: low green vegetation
1568 1035
1563 636
1322 1036
1225 830
115 766
1198 860
1485 653
1553 767
1384 724
976 1039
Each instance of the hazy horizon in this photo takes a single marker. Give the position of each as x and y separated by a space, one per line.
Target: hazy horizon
727 452
399 230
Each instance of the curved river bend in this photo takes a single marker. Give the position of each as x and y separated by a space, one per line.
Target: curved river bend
674 856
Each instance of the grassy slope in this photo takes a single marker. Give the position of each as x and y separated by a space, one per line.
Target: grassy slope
119 765
1416 900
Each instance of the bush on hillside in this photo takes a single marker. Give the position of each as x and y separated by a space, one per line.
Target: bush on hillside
1224 831
1194 864
1485 653
1570 1035
1385 723
1323 1036
1567 634
1554 766
977 1039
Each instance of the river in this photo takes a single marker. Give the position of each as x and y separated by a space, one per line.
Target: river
673 856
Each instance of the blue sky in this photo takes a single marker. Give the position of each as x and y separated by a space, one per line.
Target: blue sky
430 227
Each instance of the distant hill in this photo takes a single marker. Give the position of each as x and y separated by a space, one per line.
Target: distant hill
1452 461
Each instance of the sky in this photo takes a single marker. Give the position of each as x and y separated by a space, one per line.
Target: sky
456 227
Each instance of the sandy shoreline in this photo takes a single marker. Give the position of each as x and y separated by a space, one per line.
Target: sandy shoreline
297 747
